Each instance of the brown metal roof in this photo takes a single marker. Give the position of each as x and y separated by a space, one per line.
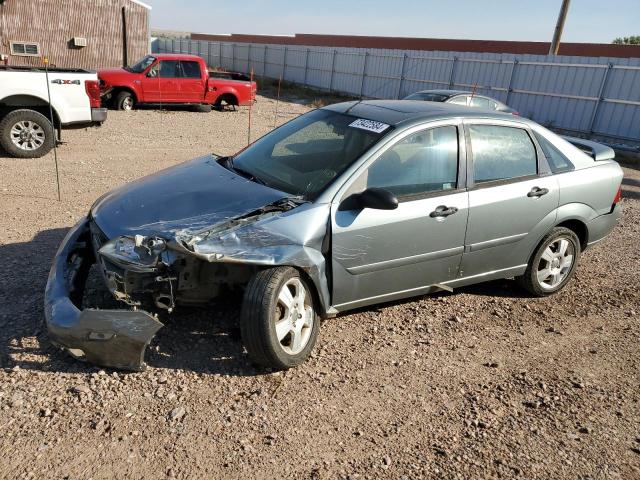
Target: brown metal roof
438 44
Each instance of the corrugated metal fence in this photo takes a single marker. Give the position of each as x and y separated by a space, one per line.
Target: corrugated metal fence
593 96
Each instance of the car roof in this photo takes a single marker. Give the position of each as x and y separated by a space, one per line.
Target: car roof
175 56
396 112
449 93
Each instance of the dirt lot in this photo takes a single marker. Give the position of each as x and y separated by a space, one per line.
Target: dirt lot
482 383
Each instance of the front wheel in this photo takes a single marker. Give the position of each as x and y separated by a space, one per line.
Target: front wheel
278 323
125 101
553 263
26 134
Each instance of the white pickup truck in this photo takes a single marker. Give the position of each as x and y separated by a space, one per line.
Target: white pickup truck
27 129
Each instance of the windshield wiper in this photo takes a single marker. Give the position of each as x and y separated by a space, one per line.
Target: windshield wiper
228 163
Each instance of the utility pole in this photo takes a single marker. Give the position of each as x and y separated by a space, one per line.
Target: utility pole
555 43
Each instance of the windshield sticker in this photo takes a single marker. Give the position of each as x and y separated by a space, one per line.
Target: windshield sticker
370 125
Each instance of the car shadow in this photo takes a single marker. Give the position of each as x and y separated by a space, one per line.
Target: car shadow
631 188
203 340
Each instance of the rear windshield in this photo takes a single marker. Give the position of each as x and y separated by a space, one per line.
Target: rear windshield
305 155
428 97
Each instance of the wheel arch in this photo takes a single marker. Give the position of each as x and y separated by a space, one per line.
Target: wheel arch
125 88
29 102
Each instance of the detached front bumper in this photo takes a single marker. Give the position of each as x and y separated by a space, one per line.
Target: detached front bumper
110 338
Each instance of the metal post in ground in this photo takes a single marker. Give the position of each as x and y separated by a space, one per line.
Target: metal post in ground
404 61
275 118
511 77
452 72
333 70
306 67
364 74
601 90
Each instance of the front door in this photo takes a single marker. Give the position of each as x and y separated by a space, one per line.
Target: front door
161 82
380 255
512 199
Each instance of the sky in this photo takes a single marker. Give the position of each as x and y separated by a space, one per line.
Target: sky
597 21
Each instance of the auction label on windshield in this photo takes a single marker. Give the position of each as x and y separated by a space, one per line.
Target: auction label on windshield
370 125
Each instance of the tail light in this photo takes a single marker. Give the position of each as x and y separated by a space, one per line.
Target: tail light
618 196
515 114
93 92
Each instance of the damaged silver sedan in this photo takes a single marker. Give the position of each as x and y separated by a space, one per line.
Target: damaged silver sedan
347 206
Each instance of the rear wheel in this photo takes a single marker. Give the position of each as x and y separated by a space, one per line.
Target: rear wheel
26 134
278 322
125 101
553 263
226 101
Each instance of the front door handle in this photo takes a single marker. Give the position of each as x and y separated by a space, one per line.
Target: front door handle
537 192
443 211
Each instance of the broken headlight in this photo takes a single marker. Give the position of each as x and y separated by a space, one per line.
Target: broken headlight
134 251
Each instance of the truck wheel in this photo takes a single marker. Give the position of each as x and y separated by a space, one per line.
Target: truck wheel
553 263
26 134
226 100
125 101
278 323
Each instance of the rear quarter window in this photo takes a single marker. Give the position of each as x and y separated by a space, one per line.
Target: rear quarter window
557 161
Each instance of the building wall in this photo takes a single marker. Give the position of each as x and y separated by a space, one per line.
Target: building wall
53 23
430 44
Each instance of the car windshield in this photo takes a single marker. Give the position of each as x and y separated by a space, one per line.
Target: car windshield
141 65
427 97
305 155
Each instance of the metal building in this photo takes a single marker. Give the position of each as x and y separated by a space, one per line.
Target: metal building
74 33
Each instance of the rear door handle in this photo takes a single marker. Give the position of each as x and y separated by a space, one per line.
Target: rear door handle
537 192
443 211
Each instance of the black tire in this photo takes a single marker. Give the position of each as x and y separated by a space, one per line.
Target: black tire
261 310
530 281
202 108
226 100
40 131
124 99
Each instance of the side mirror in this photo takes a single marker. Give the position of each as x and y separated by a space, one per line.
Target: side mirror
375 198
152 73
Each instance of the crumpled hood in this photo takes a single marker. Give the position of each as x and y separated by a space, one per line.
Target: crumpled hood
186 198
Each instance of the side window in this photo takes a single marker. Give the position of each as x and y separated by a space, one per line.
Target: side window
153 71
501 153
460 100
191 69
169 69
557 161
480 102
423 162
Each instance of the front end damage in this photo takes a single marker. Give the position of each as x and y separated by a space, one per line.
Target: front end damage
112 338
189 265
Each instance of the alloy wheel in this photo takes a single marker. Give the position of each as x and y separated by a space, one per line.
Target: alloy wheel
27 135
555 263
294 317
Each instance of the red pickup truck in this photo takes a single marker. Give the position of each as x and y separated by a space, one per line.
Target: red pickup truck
174 79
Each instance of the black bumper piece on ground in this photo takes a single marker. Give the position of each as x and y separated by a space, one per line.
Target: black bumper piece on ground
110 338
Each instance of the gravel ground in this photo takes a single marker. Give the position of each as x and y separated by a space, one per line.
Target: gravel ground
482 383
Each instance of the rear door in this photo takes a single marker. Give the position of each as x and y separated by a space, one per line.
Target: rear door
380 255
192 83
513 197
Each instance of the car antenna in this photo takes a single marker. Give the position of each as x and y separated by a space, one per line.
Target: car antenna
45 60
